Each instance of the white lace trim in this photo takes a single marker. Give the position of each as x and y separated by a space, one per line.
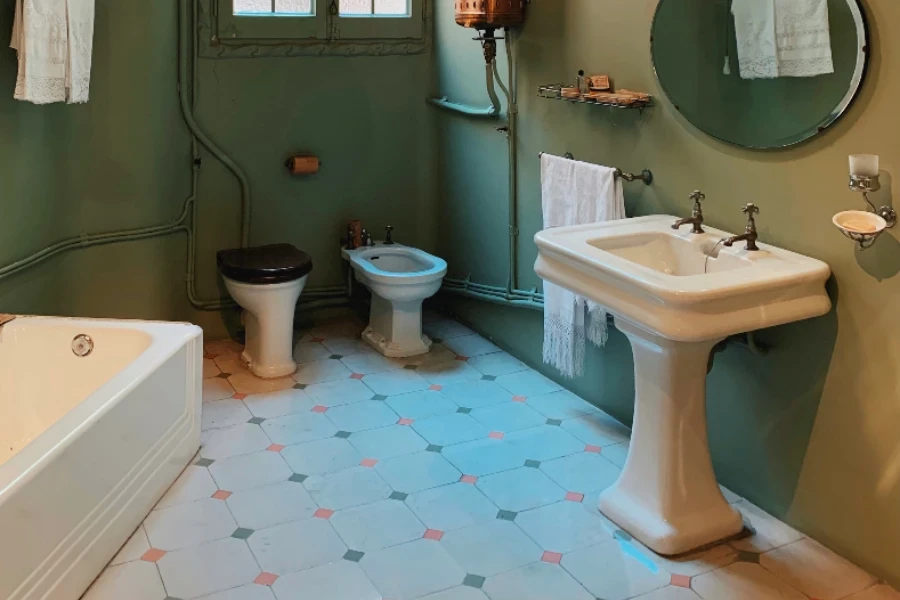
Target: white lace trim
564 338
54 42
783 38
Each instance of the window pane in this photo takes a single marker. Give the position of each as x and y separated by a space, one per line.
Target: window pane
297 7
356 7
252 7
392 7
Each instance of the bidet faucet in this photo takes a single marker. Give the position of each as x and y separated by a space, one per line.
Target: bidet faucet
388 240
696 218
749 234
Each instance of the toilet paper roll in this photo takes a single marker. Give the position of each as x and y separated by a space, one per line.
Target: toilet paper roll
303 165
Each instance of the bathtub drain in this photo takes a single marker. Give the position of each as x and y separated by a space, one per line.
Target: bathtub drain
82 345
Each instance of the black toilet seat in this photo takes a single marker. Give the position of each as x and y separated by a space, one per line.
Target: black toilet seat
261 265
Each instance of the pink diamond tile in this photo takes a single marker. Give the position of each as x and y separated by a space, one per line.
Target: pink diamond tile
265 578
433 534
323 513
153 555
552 557
436 388
222 495
462 358
318 339
681 581
470 479
275 448
519 398
319 409
239 396
574 497
592 449
496 435
368 462
357 376
405 422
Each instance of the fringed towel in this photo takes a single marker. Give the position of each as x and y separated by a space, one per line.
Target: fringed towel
575 193
54 42
783 38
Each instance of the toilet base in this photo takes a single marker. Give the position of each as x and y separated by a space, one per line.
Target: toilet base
395 328
393 350
268 319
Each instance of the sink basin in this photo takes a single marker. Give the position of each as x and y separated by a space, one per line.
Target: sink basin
680 285
675 295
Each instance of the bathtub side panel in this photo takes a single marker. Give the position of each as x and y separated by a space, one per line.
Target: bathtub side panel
85 503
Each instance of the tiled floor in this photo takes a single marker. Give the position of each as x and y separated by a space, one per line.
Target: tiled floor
461 475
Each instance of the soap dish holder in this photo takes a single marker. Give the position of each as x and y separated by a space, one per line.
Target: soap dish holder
861 226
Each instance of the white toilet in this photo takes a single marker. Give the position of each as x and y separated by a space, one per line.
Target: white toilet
266 282
400 279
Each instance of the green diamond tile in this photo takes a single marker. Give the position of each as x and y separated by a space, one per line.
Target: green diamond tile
354 555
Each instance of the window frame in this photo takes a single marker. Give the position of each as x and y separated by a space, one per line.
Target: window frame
320 27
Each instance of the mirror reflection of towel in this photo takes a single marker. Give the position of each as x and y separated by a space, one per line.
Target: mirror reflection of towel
783 38
54 43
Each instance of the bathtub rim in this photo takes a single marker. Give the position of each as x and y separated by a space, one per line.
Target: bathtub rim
23 466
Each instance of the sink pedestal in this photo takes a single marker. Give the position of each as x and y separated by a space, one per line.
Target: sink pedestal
667 495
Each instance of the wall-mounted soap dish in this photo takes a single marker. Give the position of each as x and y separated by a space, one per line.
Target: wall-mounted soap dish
861 226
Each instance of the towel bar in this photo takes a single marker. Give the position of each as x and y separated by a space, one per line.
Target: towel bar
646 175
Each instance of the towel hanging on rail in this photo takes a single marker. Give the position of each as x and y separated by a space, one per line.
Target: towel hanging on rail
54 43
782 38
575 193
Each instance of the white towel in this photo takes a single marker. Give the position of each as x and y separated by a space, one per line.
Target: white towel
54 42
782 38
575 193
754 28
803 38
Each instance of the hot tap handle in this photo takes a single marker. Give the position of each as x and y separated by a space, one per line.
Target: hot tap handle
750 210
697 196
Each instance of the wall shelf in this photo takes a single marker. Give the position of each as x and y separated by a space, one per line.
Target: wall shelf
554 92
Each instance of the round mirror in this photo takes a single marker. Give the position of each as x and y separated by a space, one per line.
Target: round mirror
747 75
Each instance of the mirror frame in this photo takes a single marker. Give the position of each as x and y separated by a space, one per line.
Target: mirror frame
853 91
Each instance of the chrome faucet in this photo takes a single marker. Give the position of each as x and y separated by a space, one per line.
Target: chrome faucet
696 218
749 234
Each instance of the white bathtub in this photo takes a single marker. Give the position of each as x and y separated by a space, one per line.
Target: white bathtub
88 444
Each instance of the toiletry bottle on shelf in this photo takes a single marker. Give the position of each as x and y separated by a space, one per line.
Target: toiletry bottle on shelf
584 88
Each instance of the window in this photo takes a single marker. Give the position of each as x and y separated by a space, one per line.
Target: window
325 20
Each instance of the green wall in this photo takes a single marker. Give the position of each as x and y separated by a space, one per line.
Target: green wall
124 160
809 432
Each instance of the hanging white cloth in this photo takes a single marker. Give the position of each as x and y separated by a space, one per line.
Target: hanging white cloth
803 38
783 38
754 28
54 42
575 193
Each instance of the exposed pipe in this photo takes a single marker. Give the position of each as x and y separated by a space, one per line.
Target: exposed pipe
513 139
184 46
490 112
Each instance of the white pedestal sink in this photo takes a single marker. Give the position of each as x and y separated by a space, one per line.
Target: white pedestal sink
676 295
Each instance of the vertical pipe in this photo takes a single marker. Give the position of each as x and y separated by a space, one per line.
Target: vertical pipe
185 47
513 119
